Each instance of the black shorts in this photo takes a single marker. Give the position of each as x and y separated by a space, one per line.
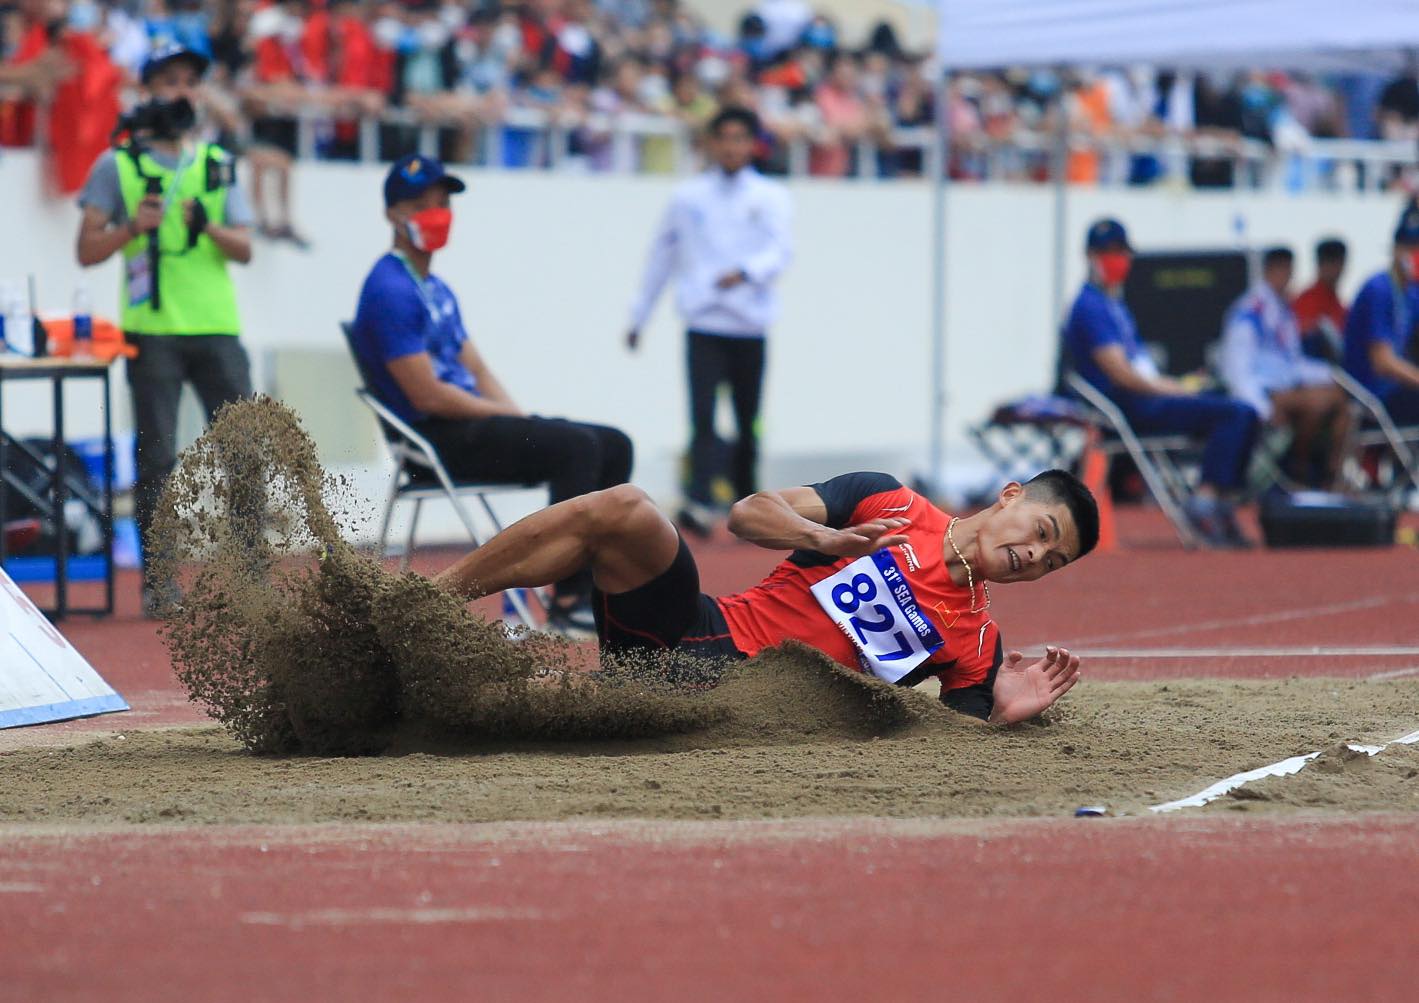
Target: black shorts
669 612
279 131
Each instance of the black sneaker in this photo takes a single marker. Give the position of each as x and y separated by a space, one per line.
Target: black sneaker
576 623
696 519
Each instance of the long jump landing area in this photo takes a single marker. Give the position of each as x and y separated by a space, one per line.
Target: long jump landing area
143 856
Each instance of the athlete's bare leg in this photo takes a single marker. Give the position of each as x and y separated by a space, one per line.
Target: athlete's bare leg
618 533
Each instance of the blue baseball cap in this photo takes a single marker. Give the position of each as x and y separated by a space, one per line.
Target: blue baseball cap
171 53
1106 233
1407 230
413 174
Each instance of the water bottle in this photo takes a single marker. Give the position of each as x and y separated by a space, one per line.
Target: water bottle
83 321
19 325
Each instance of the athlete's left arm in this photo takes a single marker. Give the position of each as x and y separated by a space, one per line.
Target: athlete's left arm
1024 691
796 518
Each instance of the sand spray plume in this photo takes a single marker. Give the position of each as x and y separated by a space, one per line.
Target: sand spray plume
297 642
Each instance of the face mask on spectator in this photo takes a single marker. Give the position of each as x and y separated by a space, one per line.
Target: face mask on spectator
452 16
432 35
506 39
428 228
388 31
652 89
83 16
1114 267
1411 263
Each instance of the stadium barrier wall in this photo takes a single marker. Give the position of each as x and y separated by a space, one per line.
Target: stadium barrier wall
546 265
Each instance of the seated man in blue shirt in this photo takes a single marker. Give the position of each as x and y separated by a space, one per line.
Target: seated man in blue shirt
1381 349
409 336
1263 363
1101 343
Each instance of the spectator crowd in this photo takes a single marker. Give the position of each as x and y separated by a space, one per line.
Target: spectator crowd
548 79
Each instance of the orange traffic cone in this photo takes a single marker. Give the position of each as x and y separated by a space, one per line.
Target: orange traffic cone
1095 466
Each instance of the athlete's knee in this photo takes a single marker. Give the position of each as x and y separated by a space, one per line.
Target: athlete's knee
615 509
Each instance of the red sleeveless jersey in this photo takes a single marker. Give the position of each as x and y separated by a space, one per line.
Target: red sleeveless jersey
783 606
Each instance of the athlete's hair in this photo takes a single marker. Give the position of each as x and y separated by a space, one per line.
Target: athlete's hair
1060 487
1277 256
734 113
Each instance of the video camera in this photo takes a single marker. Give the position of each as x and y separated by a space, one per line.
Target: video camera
160 120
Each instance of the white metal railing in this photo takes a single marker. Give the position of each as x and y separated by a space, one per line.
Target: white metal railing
615 143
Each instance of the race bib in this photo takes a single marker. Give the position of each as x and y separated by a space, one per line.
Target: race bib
140 279
873 605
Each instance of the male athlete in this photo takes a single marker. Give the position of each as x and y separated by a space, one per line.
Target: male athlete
879 579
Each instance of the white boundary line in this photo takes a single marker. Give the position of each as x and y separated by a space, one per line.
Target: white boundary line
1256 620
1284 768
1299 651
1394 674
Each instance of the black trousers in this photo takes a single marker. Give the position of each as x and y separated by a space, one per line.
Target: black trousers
713 360
571 457
217 367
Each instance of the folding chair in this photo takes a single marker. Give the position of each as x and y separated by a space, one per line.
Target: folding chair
420 476
1385 432
1153 455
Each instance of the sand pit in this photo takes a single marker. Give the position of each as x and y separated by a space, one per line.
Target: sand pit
1124 745
308 653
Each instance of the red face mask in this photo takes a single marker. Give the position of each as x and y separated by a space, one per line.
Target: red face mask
1411 262
1114 266
428 228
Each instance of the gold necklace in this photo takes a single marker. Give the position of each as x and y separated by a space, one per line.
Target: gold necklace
970 578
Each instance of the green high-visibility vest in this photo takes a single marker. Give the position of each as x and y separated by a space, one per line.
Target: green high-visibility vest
197 295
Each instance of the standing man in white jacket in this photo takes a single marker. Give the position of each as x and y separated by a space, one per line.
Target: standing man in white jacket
725 237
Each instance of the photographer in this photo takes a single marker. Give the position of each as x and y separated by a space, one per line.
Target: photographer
170 205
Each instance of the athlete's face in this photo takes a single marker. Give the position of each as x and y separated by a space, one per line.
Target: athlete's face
1025 539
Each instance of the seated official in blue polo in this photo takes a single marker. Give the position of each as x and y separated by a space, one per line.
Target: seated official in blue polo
1264 364
1381 348
1101 344
410 339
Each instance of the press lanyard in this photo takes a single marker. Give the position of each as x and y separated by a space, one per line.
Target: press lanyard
419 285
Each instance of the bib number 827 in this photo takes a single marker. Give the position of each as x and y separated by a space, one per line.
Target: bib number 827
850 597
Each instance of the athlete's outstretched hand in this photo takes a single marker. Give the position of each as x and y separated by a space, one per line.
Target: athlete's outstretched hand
1023 691
860 540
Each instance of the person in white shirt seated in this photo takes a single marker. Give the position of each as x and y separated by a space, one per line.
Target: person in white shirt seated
1262 363
725 238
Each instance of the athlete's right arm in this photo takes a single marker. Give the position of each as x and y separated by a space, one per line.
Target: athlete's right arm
796 519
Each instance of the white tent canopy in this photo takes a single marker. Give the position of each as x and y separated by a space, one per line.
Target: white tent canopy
1366 35
1290 34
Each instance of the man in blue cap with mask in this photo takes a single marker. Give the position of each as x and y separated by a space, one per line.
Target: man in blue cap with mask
171 207
409 336
1381 349
1101 343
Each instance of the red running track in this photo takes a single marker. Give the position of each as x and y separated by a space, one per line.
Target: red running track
1214 909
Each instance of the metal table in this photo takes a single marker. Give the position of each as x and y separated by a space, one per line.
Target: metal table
61 484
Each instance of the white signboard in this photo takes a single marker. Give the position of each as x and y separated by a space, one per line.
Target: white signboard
42 678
